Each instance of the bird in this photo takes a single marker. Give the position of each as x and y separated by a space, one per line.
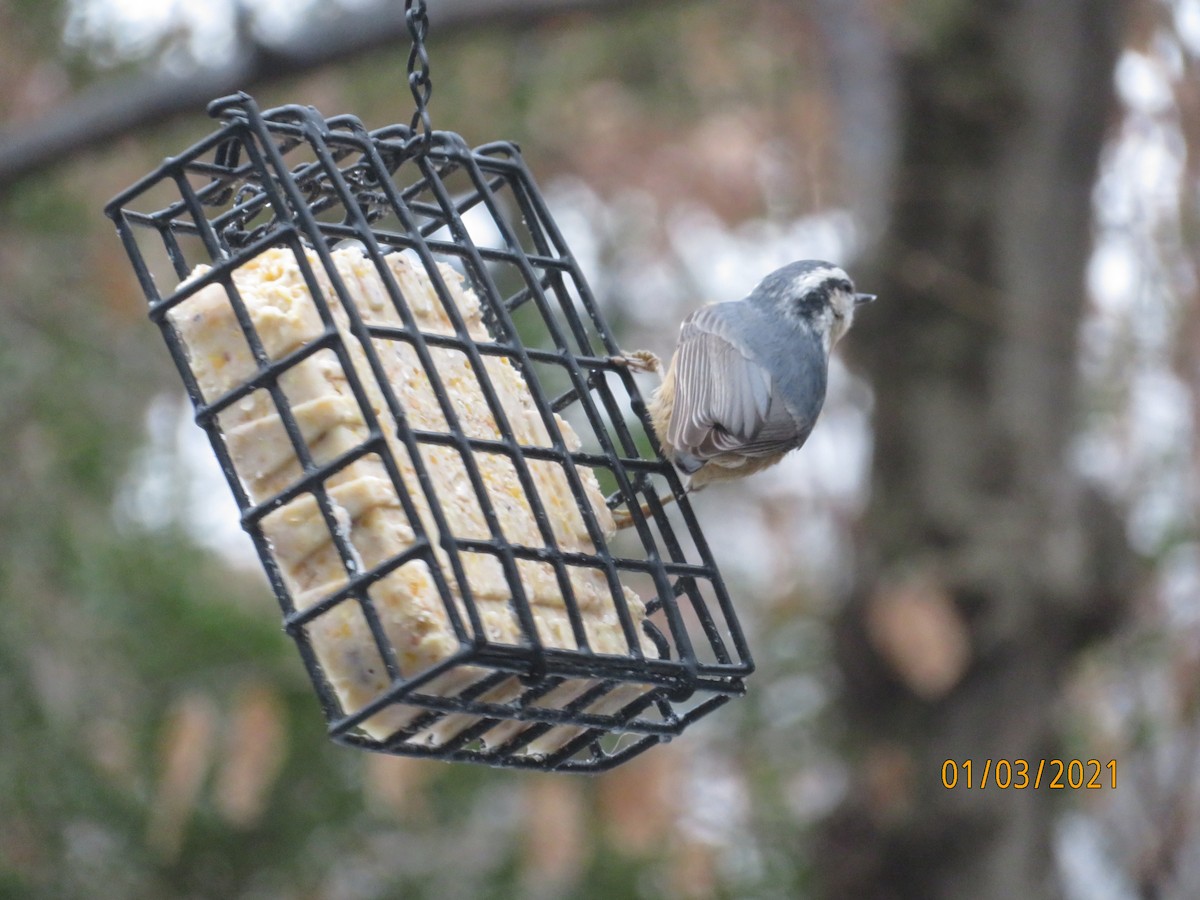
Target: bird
747 379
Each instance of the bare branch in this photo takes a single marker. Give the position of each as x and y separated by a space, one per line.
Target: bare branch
110 109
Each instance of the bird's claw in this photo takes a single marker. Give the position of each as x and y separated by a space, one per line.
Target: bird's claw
639 361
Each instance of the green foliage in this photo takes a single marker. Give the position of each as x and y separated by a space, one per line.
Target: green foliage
42 207
197 627
36 25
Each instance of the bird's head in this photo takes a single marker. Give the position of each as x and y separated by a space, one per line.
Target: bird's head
819 294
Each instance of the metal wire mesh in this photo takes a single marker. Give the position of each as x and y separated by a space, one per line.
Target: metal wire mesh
288 178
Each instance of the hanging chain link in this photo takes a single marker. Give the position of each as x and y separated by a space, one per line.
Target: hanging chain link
417 19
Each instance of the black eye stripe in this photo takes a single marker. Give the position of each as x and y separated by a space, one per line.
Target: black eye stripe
817 297
829 285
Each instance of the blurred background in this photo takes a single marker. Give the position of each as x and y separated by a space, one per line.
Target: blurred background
989 548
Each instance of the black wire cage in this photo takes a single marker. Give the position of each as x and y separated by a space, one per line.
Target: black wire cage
432 222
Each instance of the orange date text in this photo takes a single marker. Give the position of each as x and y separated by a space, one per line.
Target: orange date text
1020 774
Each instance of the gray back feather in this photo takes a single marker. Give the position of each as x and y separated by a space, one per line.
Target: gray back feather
748 381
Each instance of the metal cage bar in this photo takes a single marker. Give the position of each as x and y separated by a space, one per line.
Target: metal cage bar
288 178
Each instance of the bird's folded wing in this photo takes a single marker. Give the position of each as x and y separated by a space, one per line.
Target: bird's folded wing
723 398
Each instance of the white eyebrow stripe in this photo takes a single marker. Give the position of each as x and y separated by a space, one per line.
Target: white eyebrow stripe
817 277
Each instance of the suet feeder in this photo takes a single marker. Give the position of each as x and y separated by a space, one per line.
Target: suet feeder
416 400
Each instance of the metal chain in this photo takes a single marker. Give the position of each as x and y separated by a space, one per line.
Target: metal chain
417 19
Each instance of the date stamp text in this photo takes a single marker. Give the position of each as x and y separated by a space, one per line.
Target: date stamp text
1019 774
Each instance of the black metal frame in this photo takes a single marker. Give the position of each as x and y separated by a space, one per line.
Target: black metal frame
288 177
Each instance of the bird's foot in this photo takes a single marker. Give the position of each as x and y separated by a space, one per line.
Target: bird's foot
639 361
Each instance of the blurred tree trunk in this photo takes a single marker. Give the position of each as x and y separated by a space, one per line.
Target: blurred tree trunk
985 563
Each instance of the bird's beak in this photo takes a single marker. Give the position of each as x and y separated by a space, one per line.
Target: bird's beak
860 299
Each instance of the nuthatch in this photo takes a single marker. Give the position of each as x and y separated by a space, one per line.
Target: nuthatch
748 378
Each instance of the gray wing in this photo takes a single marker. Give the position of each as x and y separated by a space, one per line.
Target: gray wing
723 399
